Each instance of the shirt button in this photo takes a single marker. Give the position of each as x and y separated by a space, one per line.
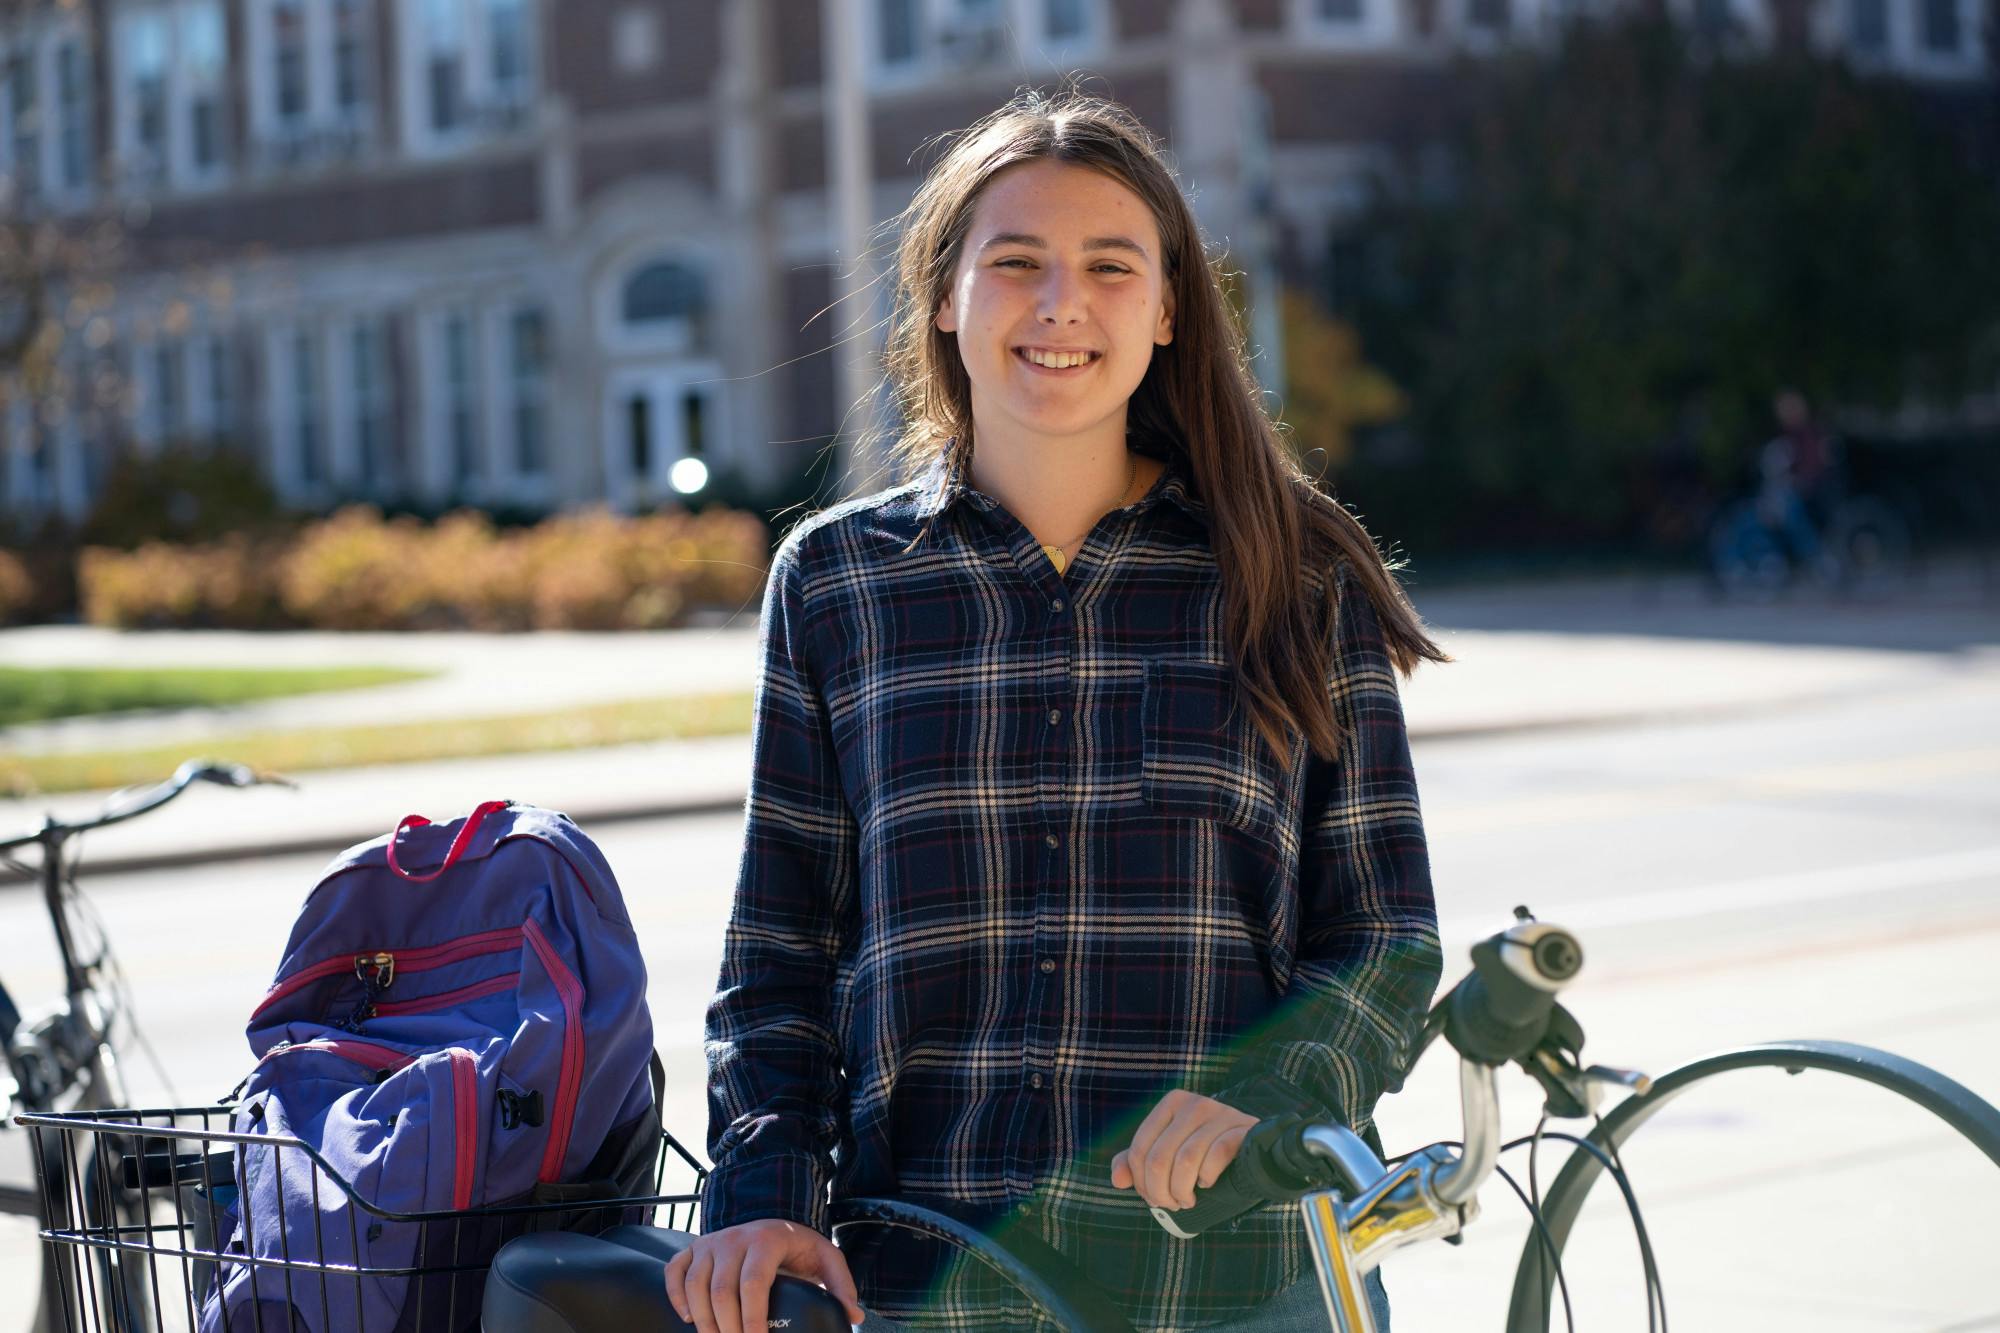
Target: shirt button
1055 716
1048 965
1034 1080
1056 604
1053 841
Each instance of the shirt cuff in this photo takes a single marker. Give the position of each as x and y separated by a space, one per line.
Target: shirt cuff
788 1186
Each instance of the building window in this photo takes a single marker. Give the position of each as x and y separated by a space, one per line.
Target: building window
204 58
528 354
169 416
1064 20
444 64
308 448
288 64
1868 26
1943 27
470 69
461 398
311 94
371 405
1489 16
173 91
898 31
212 385
73 112
24 122
1342 11
351 47
662 292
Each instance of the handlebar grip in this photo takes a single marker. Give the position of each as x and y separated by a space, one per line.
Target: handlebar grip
1271 1166
1230 1197
1501 1010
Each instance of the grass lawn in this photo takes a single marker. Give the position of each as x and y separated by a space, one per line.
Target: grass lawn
39 694
294 752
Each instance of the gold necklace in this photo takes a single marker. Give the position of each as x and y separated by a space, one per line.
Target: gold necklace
1055 552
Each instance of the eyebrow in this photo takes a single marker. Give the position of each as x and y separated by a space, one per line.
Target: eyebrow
1093 243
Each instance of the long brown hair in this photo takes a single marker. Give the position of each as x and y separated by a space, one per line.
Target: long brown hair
1198 399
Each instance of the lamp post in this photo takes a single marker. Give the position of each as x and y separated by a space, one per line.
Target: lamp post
848 199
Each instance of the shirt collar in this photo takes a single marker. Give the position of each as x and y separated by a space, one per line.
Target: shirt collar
944 483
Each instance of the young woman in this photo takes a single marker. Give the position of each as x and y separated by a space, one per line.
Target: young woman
1082 832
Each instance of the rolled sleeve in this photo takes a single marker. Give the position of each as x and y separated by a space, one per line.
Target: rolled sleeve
1368 958
776 1090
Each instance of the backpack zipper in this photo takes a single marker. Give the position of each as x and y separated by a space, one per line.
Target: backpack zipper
569 1085
387 964
465 1111
445 999
357 1052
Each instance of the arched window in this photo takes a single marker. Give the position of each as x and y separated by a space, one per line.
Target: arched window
662 292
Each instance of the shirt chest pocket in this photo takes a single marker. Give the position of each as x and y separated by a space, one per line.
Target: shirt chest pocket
1202 757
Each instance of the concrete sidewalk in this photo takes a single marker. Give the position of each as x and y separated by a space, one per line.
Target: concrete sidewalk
1597 654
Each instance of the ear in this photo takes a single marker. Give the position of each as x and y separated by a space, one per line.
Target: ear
1164 333
946 318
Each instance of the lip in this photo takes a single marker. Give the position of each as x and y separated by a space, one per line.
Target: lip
1066 371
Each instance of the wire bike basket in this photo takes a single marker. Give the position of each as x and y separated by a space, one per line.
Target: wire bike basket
140 1207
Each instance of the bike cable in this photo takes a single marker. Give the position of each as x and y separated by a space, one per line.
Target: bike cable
1656 1301
1554 1255
1645 1241
116 979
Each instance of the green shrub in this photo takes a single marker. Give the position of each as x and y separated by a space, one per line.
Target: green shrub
182 494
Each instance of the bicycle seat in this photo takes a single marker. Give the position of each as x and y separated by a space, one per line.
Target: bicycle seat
561 1282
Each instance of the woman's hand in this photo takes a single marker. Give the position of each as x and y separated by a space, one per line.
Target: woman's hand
1182 1146
721 1283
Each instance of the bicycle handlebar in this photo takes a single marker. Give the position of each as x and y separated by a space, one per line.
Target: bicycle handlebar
116 811
1503 1011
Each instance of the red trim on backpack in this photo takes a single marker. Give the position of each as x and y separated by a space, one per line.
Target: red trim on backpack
407 960
569 1086
458 844
359 1052
478 990
465 1109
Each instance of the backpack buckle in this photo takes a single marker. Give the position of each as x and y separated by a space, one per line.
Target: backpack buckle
517 1109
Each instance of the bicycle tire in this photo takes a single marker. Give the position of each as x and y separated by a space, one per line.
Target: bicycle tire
1050 1282
1974 1118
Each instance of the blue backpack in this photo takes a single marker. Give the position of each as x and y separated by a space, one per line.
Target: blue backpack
459 1024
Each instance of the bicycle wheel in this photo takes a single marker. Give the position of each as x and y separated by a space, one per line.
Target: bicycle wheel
1973 1120
1871 542
1746 560
115 1288
1049 1282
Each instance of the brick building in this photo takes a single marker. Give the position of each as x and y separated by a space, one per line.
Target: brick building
535 252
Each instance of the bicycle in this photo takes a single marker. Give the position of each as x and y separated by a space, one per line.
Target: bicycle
1355 1207
68 1054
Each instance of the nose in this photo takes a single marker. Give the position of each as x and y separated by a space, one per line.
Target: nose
1061 298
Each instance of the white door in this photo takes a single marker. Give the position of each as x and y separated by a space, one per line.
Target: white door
662 432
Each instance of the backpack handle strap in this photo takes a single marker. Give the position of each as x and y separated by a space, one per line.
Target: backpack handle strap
458 844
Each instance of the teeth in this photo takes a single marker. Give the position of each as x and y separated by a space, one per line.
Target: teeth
1055 360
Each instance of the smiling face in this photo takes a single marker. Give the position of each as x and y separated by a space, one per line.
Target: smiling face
1058 300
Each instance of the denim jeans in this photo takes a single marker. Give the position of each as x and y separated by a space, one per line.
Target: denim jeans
1297 1309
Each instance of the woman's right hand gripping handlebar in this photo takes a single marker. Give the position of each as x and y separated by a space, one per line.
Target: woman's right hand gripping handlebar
721 1283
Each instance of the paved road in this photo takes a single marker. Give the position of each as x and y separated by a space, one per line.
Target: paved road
1830 870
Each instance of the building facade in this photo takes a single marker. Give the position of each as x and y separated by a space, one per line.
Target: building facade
532 253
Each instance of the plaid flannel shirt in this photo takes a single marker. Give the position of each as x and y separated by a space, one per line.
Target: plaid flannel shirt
1014 868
